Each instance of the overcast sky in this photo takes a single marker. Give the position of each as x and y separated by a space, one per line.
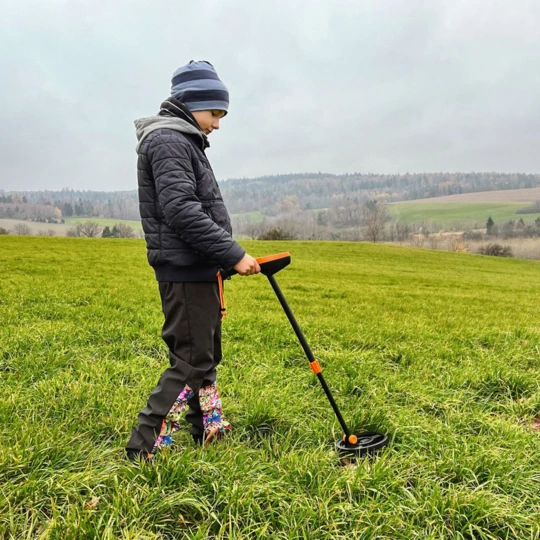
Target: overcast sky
384 86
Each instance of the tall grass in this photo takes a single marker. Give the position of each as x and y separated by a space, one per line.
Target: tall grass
439 350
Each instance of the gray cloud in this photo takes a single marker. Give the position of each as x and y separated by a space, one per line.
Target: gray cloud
334 85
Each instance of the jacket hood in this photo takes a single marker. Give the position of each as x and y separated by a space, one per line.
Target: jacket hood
145 126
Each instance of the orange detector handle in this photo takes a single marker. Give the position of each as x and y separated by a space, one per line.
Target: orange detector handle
270 264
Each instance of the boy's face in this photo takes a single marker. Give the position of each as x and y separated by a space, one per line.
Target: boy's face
208 120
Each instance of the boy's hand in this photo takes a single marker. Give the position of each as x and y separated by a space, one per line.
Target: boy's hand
247 266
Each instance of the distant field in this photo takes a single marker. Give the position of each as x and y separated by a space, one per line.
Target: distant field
253 217
106 222
502 196
446 213
58 228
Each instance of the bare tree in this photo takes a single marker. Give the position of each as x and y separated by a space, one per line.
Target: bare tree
417 240
48 232
289 204
344 213
253 230
22 229
311 229
90 229
74 231
124 231
402 231
375 216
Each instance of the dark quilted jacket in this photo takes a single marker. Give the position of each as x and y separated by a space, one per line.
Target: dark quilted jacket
186 225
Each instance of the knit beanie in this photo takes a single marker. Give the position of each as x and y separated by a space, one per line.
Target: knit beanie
198 86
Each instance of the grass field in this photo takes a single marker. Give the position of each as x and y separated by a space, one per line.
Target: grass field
439 350
104 222
447 213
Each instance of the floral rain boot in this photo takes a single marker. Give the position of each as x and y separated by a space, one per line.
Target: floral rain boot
215 426
171 423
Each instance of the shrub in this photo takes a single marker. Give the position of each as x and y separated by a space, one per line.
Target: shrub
48 232
495 250
3 231
531 209
458 246
276 233
22 229
121 230
473 235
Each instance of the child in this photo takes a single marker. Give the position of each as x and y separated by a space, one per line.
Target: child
189 239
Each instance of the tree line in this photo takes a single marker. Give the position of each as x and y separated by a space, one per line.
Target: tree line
91 229
269 194
87 229
278 194
513 228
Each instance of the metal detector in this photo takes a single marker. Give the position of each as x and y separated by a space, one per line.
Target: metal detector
351 445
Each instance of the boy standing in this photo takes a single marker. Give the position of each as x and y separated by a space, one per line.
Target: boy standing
189 239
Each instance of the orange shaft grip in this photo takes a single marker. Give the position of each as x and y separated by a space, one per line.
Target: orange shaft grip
315 366
222 307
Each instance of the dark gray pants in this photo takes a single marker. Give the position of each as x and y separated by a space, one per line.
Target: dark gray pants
192 331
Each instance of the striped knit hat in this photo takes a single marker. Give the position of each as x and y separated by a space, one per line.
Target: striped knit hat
198 86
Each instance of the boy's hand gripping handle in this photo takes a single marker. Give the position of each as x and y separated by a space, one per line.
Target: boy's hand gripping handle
270 265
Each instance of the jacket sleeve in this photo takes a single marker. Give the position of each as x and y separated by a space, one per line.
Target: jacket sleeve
176 187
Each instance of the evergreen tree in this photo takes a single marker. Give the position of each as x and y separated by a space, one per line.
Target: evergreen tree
106 232
489 225
67 209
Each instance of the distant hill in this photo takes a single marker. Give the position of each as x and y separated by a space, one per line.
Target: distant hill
268 194
275 195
